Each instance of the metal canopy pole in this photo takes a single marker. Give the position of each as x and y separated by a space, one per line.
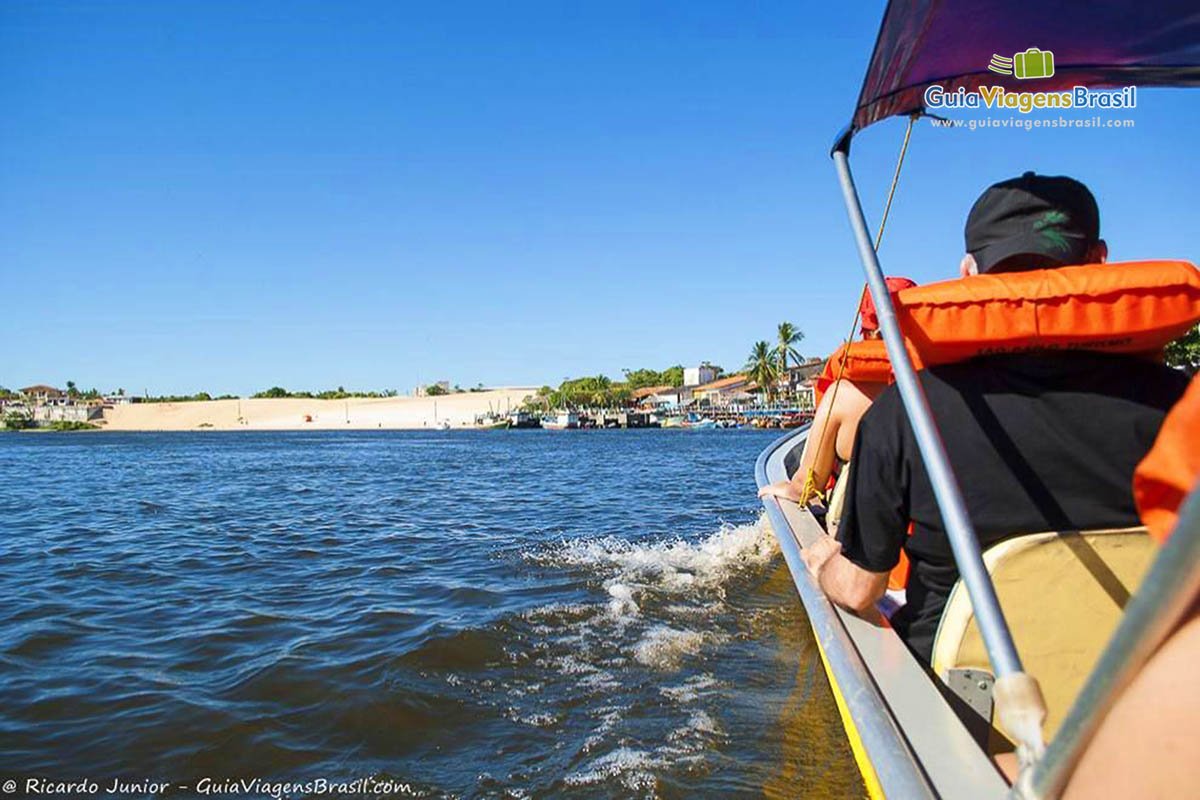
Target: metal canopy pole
960 531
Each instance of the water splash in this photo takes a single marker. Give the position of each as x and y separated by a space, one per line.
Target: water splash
676 567
664 648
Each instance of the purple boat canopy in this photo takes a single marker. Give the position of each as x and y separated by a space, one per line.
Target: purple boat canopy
961 43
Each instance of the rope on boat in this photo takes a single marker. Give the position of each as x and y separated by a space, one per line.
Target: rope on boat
810 489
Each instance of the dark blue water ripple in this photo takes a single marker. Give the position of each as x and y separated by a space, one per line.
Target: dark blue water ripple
480 614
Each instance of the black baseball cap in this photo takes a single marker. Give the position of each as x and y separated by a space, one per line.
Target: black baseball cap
1050 221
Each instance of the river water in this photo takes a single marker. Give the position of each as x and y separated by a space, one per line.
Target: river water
461 614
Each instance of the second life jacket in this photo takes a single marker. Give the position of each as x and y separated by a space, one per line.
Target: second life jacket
1133 307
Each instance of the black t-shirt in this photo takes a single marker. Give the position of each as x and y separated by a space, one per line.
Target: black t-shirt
1038 442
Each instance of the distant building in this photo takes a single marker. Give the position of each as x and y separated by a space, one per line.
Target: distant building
658 396
796 375
722 392
806 393
698 376
42 394
640 395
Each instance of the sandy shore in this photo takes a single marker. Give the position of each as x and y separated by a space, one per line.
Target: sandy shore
299 414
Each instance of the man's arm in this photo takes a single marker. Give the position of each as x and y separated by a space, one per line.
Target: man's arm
844 582
853 569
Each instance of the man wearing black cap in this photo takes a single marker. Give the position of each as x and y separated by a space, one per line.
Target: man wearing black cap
1044 441
1033 222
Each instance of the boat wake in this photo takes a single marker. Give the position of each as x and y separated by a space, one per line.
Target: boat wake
627 678
671 567
625 683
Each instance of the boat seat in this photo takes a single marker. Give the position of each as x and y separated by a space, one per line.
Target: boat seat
1063 594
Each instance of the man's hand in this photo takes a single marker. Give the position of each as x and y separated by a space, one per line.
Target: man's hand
844 582
817 554
784 490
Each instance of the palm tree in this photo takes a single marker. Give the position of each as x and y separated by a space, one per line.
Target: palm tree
789 335
761 368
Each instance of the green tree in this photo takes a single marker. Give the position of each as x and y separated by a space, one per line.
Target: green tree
641 378
433 390
597 391
15 421
1184 352
71 390
789 335
762 368
274 391
672 376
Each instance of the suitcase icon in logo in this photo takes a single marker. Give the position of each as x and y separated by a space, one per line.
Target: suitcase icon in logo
1033 63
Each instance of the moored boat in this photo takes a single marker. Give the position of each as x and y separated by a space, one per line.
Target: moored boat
563 420
523 419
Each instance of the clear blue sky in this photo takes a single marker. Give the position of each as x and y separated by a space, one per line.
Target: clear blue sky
226 196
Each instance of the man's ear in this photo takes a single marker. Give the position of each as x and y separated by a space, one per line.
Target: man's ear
1098 253
967 267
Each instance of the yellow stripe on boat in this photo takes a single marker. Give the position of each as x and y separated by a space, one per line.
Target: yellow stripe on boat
870 779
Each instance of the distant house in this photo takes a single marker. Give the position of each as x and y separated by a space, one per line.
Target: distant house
724 391
658 396
640 395
806 393
698 376
41 394
796 375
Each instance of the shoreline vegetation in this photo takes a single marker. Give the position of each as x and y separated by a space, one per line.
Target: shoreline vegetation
601 392
434 406
58 426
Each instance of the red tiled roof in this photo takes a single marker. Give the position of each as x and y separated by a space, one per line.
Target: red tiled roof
732 380
41 388
646 391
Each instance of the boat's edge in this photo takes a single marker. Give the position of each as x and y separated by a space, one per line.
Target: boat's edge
906 741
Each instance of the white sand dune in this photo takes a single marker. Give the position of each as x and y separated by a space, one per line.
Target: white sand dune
458 409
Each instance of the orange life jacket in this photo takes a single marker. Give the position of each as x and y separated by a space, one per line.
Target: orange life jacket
1169 471
866 361
1132 307
898 577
